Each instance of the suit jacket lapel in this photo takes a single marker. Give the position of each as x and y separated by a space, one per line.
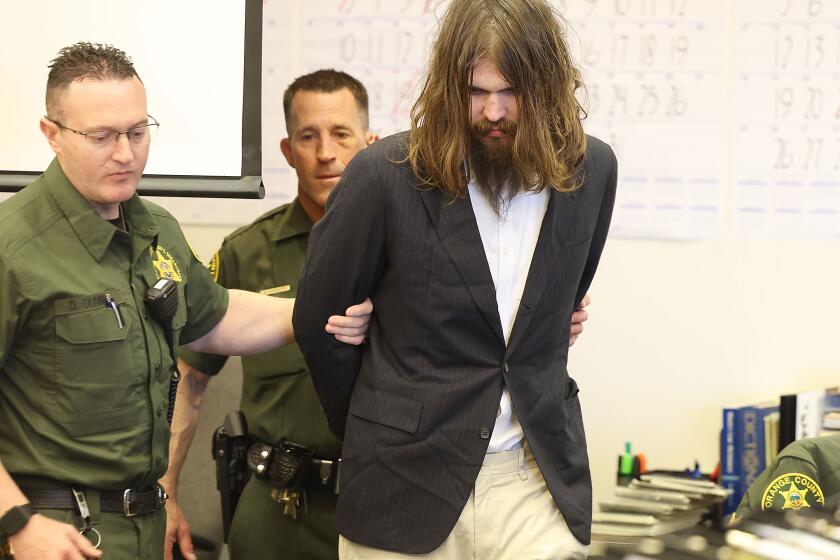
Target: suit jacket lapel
458 232
544 254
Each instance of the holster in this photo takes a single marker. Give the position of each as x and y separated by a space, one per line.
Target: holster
230 450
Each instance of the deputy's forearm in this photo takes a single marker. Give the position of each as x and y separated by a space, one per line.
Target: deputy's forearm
191 392
253 323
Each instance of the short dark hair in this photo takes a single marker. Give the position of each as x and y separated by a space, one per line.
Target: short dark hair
81 61
326 81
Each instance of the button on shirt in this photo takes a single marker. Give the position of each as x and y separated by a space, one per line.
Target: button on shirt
509 242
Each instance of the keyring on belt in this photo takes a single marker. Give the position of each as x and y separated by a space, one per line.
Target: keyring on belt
92 530
84 516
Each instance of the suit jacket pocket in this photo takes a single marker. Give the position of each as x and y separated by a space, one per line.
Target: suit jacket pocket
388 409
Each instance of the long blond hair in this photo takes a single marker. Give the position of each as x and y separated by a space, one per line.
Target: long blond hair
525 41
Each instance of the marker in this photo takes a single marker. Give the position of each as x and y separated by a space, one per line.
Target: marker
109 302
625 463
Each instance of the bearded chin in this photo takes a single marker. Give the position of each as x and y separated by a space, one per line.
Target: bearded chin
491 164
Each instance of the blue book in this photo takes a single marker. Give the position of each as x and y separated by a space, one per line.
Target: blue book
730 466
750 442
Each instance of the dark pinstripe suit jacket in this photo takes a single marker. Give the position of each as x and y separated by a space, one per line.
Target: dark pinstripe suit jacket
417 404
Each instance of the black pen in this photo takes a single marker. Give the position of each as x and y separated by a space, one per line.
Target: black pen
109 302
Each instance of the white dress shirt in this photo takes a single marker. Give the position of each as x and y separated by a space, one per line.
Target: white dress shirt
509 242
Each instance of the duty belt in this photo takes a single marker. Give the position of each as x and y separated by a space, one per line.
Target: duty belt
47 494
289 465
293 471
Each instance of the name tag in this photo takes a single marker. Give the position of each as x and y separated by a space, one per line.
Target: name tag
276 290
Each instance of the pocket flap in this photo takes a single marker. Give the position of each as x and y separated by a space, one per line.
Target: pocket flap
98 325
386 408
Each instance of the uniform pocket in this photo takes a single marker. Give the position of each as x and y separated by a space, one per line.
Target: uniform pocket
92 326
95 378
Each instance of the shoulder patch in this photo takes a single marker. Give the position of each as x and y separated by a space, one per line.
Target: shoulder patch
792 491
214 266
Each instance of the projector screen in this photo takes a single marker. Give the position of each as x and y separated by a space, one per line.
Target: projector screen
189 54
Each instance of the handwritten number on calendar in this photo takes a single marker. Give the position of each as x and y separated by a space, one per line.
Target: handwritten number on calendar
591 54
784 102
813 109
677 105
648 50
813 8
618 107
404 42
619 49
348 48
679 50
622 7
815 52
650 101
784 159
812 154
784 48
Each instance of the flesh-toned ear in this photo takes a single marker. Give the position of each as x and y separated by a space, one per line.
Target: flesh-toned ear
286 148
50 131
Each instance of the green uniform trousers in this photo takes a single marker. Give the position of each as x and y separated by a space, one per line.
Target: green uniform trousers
260 531
123 538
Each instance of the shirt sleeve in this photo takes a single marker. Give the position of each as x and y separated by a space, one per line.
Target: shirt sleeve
206 301
791 483
222 269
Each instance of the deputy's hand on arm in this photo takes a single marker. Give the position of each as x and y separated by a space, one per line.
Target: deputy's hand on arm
254 323
578 317
45 539
352 328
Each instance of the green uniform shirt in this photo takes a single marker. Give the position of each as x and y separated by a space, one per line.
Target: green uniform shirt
278 398
806 474
83 398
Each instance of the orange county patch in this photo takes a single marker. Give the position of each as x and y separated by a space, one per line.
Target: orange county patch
165 265
792 491
214 266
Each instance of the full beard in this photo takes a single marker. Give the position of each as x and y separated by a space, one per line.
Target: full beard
491 164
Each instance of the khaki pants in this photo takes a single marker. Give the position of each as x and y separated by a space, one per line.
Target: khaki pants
509 515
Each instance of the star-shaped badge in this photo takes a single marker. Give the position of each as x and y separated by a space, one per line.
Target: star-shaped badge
795 498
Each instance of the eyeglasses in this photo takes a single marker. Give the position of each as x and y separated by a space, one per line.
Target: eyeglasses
138 135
